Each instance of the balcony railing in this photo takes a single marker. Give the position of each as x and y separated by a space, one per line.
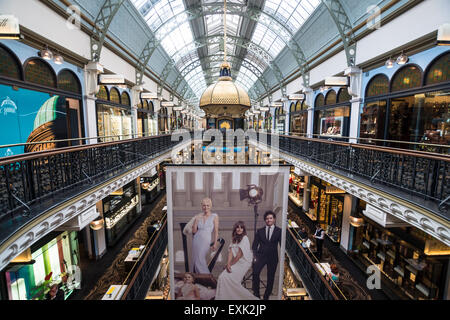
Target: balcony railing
143 271
423 174
317 285
32 183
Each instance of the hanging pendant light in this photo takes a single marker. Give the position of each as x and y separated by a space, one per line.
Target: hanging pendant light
58 59
46 54
402 59
389 63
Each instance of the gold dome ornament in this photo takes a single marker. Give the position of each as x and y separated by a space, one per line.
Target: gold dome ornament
225 98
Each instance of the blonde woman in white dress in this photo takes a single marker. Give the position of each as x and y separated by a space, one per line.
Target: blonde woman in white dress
240 258
204 225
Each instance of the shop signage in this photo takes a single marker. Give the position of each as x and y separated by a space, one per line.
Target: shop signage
435 247
277 104
383 218
149 95
297 96
9 27
337 81
333 190
167 104
111 79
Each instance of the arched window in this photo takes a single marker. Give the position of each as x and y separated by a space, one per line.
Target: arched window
102 93
68 81
298 105
406 78
140 104
39 72
439 71
114 96
320 101
343 95
9 65
126 99
378 85
292 107
330 98
150 107
144 104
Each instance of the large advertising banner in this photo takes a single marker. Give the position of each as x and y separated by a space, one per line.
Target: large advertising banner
227 228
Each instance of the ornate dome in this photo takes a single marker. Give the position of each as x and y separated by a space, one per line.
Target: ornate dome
51 109
224 96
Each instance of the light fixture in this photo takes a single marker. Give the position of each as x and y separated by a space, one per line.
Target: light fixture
58 59
356 221
402 59
253 193
443 35
46 54
389 63
97 224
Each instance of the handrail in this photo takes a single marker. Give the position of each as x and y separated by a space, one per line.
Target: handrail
421 174
315 258
322 278
152 241
50 152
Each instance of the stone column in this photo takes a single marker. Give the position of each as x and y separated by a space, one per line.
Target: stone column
354 90
91 72
346 227
309 101
135 97
306 193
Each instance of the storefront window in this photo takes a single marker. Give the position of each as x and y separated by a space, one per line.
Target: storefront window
372 125
56 262
67 81
296 187
439 71
9 64
39 72
406 78
404 257
378 85
326 207
423 117
332 122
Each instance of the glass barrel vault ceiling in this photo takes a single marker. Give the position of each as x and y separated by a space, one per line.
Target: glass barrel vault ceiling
170 23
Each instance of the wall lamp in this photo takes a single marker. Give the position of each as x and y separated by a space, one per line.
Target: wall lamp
401 60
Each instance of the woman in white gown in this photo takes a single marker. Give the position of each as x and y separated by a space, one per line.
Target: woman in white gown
204 224
240 258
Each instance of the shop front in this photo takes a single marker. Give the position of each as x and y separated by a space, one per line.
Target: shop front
113 114
413 264
411 106
332 114
298 118
120 211
150 186
39 101
280 120
296 187
147 123
54 259
326 207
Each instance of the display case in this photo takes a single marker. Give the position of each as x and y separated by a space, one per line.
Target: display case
119 211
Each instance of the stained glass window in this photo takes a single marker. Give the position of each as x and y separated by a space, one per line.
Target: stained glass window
114 96
9 66
439 70
320 101
125 99
330 98
408 77
39 72
67 81
102 93
298 106
140 104
343 96
378 85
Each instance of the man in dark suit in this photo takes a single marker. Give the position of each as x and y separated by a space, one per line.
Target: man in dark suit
265 248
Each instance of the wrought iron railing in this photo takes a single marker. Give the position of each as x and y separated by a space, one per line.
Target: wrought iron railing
143 271
36 178
316 284
423 174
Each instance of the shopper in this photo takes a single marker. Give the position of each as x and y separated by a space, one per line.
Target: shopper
319 235
304 237
333 276
55 293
